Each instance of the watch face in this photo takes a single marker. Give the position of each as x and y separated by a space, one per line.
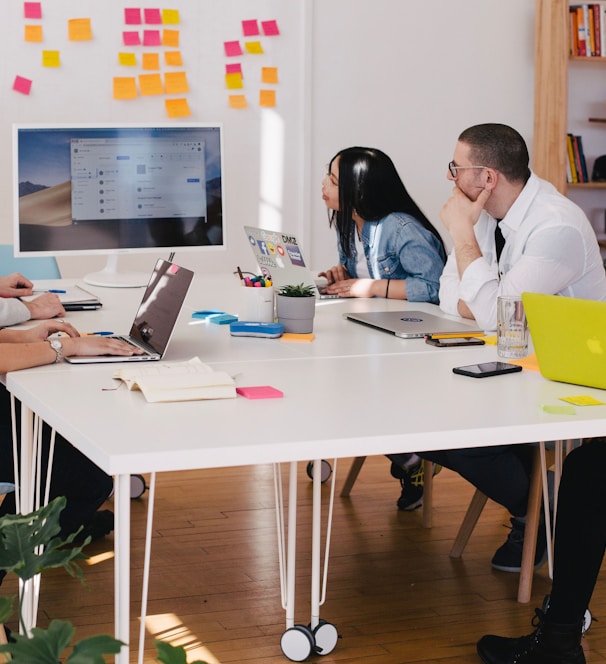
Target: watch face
56 344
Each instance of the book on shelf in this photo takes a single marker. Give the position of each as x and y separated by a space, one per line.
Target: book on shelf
571 166
177 381
587 27
576 167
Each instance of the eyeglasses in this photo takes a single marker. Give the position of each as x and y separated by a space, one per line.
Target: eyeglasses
453 168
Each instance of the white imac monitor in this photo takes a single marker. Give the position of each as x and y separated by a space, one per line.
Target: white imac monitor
117 189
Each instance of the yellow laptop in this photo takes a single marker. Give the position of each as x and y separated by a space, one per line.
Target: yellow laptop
569 338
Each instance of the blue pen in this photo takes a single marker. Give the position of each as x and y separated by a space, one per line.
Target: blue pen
100 334
56 290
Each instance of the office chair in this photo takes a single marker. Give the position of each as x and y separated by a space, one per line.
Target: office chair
38 267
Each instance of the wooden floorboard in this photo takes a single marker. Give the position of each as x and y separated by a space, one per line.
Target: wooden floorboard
393 593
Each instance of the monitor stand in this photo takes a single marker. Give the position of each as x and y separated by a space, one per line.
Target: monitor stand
111 277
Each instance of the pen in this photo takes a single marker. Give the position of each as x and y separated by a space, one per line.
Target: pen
98 334
240 275
51 290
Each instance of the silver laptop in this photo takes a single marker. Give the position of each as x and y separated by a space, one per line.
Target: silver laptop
156 316
413 324
279 256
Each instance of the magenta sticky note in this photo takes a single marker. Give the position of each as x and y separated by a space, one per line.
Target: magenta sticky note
22 85
152 16
131 38
132 16
260 392
32 9
235 68
250 28
270 28
152 38
232 48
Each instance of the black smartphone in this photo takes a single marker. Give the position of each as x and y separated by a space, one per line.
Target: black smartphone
454 341
486 369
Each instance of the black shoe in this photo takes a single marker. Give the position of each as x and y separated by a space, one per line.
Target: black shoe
548 644
100 525
411 479
508 557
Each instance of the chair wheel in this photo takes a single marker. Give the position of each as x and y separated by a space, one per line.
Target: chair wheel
326 637
297 643
137 486
325 473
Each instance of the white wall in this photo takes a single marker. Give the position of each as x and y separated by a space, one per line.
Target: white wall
401 75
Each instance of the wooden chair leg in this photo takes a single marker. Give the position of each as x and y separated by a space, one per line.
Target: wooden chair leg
352 475
469 523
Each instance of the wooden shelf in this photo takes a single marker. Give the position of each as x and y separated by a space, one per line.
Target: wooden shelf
586 185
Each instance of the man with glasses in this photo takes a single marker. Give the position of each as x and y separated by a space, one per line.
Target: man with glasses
511 232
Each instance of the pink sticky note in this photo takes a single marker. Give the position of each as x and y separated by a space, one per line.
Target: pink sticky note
232 48
132 16
152 16
270 28
235 68
22 85
32 9
260 392
131 38
152 38
250 28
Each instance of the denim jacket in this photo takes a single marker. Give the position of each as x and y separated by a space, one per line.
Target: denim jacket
399 247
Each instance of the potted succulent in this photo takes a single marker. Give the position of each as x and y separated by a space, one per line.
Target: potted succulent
296 308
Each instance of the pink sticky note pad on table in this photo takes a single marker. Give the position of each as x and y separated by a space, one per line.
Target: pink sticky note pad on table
260 392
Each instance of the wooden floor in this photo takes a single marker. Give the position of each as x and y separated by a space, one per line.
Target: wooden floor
393 593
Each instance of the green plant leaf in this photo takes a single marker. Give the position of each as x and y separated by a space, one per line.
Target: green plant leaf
297 290
29 544
168 654
43 647
6 608
91 650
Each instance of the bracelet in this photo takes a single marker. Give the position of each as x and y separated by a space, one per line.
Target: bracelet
387 289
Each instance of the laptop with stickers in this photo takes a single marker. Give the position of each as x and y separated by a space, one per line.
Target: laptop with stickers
156 316
280 257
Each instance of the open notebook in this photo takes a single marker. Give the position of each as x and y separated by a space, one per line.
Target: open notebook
156 316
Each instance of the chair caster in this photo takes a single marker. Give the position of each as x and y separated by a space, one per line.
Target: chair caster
326 637
297 643
587 617
325 472
137 486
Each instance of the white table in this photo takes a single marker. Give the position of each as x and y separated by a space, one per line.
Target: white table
352 392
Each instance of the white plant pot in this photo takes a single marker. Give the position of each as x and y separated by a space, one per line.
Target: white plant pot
296 313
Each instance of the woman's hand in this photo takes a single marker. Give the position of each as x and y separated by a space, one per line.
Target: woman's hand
96 345
42 331
334 274
354 288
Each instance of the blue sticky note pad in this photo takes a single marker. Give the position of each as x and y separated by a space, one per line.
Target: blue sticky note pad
223 319
207 313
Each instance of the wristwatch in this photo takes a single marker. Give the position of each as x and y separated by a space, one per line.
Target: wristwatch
57 346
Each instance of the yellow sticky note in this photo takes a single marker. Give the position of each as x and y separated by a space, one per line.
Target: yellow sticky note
79 29
127 59
491 340
170 16
583 400
150 61
529 362
151 84
238 101
125 87
170 38
173 58
51 59
177 108
176 83
253 47
33 33
558 410
267 98
269 75
234 81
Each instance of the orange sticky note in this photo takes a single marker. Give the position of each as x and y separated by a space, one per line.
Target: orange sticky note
269 74
79 29
170 16
177 108
253 47
51 59
173 58
176 83
238 101
151 84
267 98
33 33
150 61
127 59
125 87
170 38
234 81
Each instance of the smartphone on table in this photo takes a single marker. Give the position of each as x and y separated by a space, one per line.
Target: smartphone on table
485 369
450 342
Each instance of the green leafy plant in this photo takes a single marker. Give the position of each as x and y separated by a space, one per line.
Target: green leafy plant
29 545
298 290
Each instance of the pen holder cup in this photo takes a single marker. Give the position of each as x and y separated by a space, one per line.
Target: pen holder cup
257 304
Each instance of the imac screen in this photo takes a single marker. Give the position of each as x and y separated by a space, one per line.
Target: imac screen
117 188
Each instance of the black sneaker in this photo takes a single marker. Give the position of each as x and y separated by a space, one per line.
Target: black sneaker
411 480
100 525
508 557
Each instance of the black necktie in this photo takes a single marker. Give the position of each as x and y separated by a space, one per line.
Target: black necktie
499 240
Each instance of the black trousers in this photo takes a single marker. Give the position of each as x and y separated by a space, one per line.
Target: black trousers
84 485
